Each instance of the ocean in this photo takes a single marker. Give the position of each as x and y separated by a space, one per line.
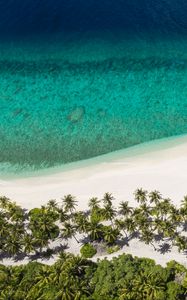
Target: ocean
82 78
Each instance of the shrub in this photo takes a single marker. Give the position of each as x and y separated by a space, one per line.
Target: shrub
113 249
88 251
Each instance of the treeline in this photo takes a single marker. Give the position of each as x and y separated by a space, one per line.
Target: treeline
75 278
32 232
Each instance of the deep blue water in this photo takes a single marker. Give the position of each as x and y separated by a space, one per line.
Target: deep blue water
81 78
44 16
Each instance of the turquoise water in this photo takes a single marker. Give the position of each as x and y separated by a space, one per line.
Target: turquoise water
69 98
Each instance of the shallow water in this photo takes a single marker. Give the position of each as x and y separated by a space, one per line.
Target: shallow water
74 95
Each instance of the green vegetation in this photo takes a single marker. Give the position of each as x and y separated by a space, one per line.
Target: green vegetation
75 278
88 251
113 249
32 233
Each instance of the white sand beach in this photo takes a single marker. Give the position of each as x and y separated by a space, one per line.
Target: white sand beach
160 165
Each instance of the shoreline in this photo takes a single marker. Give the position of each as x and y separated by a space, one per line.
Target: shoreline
142 149
160 165
152 165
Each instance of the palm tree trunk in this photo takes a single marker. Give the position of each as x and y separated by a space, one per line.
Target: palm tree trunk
125 234
153 246
76 239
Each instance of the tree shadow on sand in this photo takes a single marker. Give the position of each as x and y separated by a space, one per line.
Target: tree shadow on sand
85 240
123 242
158 237
164 248
44 255
60 248
185 226
20 256
5 255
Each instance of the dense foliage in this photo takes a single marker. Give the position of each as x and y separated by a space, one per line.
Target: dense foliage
88 251
74 278
32 233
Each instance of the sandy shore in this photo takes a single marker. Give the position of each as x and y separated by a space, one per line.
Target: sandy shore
160 165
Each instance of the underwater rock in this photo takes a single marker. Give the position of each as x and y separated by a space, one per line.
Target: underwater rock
26 115
17 112
77 114
101 112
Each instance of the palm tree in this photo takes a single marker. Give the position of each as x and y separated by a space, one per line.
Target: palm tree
95 230
108 213
183 209
169 229
163 208
82 290
7 276
52 204
43 220
58 267
71 283
155 197
125 209
7 294
181 242
81 222
184 202
76 265
17 229
147 236
4 228
146 210
14 213
40 241
62 257
65 293
63 215
148 286
94 203
28 243
121 225
158 225
130 225
47 227
69 203
13 245
175 216
43 277
165 228
69 231
107 199
126 293
142 222
4 202
141 196
110 234
140 219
